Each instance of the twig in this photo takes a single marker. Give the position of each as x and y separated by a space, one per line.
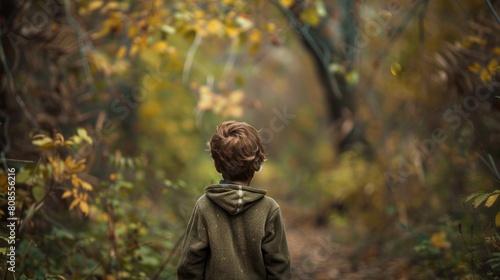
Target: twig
7 141
492 9
229 63
111 217
25 253
169 258
82 47
492 167
19 160
13 15
12 87
399 31
190 57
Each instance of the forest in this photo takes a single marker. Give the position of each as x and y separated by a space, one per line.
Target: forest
381 121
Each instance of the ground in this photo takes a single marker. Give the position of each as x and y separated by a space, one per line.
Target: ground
324 252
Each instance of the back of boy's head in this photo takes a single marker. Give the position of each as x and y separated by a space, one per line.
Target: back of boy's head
237 150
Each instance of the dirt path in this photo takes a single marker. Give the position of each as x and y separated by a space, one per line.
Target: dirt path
323 253
315 255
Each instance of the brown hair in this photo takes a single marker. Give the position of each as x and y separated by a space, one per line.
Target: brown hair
237 150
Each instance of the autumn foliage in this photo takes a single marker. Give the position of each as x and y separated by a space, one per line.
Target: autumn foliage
381 118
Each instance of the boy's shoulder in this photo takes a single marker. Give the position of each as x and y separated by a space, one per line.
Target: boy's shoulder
265 202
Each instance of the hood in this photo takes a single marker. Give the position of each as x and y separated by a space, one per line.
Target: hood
234 198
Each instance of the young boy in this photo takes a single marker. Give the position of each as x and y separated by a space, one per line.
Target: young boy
235 232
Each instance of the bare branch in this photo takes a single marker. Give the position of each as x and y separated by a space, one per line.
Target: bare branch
190 57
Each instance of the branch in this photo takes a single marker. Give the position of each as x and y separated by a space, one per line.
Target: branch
303 30
190 57
12 86
82 47
399 31
169 258
492 9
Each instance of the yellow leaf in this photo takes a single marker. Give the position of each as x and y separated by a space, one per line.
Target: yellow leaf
206 100
475 67
352 77
103 32
496 50
75 180
466 44
132 31
439 240
255 36
396 69
232 31
497 219
99 61
477 40
485 75
77 167
235 111
67 194
42 140
236 96
493 65
93 5
74 203
160 47
286 3
84 207
122 50
310 16
270 27
219 104
134 50
491 200
199 14
215 27
86 185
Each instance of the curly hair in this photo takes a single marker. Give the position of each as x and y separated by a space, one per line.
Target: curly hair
237 150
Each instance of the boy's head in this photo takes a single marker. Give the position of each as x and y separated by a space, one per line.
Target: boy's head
237 150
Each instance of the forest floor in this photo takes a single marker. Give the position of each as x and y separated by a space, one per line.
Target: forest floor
329 253
315 256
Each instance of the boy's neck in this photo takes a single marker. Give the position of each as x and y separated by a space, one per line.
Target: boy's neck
242 183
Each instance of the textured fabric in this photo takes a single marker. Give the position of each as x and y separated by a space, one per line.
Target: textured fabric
235 233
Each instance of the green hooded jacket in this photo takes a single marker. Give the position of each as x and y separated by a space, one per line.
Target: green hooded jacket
235 233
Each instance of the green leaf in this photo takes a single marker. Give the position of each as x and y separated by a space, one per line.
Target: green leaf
38 193
472 196
23 176
480 199
60 233
74 140
83 133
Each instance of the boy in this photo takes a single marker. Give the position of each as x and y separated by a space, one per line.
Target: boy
235 232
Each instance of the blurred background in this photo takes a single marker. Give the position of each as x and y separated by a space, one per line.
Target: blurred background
381 120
